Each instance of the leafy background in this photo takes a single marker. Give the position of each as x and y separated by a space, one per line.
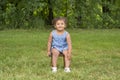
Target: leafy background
38 14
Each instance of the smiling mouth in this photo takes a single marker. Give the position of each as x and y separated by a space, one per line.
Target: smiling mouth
59 27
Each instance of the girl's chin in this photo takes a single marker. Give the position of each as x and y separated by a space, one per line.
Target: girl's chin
60 29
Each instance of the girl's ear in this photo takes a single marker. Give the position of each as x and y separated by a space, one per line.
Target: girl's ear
54 26
65 25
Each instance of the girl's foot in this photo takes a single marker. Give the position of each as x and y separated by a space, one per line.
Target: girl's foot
54 69
67 70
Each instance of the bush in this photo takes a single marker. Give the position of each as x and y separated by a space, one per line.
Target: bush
85 14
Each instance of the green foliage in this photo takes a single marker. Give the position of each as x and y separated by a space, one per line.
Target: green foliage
10 16
39 13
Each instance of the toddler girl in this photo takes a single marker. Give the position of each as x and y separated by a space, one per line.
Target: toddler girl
59 42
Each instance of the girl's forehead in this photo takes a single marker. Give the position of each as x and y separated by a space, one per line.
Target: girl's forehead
59 21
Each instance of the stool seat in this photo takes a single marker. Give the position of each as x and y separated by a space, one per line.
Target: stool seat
61 55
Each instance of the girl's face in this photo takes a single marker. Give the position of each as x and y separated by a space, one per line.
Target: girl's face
60 25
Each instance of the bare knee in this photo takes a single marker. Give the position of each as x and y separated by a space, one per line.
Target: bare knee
55 52
65 53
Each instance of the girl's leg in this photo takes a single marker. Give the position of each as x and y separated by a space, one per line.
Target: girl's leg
55 54
66 59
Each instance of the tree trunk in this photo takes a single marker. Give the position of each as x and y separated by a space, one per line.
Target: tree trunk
50 15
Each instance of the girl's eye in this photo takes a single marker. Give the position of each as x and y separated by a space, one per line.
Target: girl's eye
61 23
57 23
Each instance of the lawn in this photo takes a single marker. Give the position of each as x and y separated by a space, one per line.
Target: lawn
95 55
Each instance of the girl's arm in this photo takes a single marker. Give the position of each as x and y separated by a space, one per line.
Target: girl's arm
69 44
49 44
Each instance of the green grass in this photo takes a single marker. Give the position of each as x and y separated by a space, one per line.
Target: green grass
95 56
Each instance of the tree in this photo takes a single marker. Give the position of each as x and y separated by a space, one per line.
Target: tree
80 13
50 14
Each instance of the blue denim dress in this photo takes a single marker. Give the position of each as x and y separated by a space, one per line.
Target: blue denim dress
59 42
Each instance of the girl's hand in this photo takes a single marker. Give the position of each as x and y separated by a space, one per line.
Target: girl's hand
49 54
